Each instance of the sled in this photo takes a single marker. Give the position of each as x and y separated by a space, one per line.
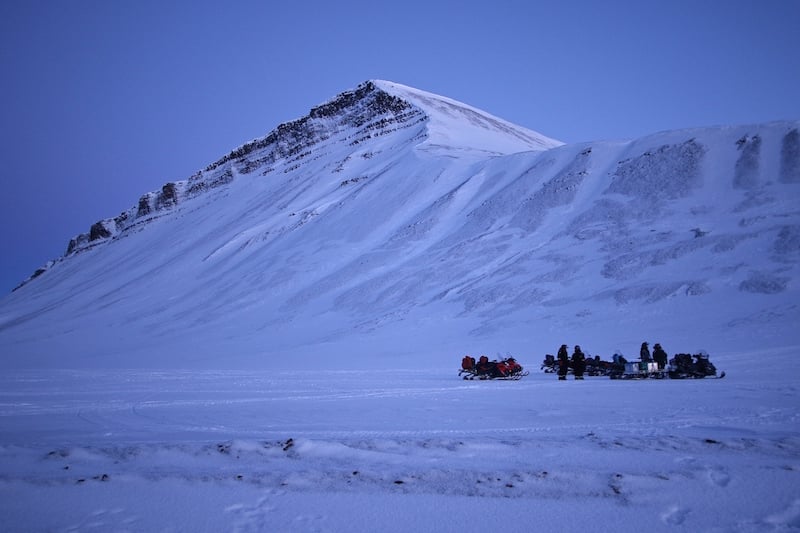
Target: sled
638 370
505 369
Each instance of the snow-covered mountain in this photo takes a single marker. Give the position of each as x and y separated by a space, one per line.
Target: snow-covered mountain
394 223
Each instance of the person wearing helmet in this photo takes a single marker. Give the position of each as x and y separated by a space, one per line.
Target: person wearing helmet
563 362
644 353
578 362
660 356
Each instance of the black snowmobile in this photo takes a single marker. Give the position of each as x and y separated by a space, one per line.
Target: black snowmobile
507 368
682 366
550 364
697 366
598 367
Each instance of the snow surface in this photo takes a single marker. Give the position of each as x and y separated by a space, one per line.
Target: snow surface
456 127
399 450
323 289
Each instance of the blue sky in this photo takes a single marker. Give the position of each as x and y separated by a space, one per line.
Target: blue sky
104 101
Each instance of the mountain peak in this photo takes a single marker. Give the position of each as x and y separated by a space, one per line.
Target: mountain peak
450 125
454 125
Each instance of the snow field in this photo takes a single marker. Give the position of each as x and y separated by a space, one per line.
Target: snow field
397 449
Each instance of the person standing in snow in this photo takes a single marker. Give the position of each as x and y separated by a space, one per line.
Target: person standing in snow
644 353
578 362
563 362
660 356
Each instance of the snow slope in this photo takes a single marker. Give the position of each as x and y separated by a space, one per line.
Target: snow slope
455 128
346 230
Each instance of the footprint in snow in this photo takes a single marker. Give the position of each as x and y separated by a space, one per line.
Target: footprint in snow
252 517
719 477
674 516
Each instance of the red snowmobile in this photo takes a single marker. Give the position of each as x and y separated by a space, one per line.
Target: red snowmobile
507 368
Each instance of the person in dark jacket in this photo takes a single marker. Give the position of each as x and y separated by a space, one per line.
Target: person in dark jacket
578 362
660 356
644 353
563 362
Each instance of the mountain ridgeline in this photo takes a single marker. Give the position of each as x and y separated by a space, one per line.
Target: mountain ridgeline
405 219
364 113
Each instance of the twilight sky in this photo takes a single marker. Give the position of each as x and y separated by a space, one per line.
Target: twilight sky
103 101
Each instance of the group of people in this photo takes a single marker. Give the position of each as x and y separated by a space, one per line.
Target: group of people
578 359
659 355
578 362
